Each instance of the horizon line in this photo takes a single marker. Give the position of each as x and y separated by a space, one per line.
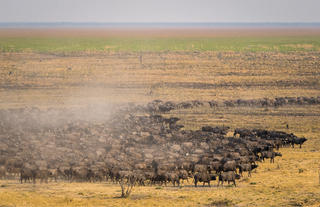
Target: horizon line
158 24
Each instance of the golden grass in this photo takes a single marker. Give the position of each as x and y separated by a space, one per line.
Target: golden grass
49 80
45 81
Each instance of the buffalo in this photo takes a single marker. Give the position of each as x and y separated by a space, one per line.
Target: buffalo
270 154
246 167
27 174
204 177
229 176
298 141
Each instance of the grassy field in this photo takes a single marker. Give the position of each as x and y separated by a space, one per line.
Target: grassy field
237 44
157 40
66 72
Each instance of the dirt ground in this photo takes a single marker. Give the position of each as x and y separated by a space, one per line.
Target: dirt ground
159 32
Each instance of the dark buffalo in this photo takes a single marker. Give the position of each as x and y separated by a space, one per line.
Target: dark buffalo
217 130
229 166
243 132
229 176
246 167
204 177
299 141
270 154
27 174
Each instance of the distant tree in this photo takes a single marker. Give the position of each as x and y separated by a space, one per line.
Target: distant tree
127 183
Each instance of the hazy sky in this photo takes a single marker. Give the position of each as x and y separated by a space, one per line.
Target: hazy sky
159 11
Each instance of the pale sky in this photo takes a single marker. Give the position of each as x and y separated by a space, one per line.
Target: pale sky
159 11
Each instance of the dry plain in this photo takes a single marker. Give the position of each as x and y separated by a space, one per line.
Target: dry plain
283 64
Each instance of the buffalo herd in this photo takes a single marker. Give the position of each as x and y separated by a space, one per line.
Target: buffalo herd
163 107
135 144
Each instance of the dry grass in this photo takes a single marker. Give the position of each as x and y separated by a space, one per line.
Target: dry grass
50 80
46 80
